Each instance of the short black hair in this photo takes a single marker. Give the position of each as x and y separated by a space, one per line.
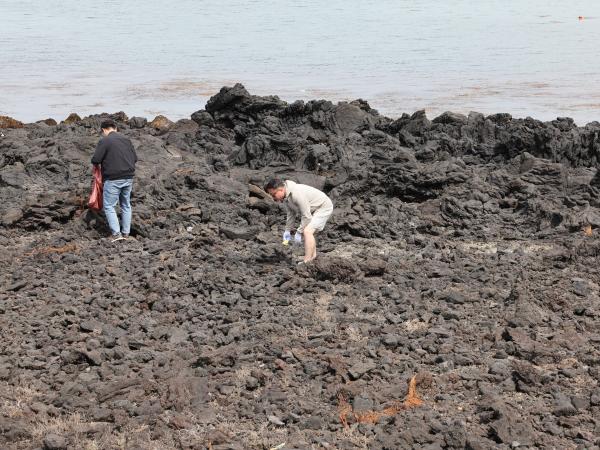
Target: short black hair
274 183
108 123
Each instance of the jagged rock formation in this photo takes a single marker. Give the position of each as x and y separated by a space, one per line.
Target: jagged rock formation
462 250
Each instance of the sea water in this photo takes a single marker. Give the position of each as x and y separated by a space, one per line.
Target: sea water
537 58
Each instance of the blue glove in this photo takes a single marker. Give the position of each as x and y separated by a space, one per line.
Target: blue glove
287 236
298 238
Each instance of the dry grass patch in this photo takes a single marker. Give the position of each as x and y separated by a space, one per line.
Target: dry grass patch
79 432
321 310
15 399
354 334
67 248
414 325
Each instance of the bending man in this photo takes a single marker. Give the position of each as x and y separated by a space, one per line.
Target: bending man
313 206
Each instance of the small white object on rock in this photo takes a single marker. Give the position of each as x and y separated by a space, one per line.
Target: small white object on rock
276 421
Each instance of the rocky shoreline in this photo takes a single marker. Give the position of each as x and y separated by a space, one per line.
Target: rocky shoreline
461 260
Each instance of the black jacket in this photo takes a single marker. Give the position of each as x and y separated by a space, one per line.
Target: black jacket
117 156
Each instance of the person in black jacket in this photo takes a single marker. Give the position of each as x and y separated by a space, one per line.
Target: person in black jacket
117 157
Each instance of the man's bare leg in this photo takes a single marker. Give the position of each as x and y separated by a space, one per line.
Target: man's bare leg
310 245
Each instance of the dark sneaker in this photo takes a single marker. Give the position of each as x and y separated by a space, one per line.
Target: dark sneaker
117 237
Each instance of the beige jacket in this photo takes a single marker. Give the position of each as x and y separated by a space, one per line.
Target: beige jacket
303 200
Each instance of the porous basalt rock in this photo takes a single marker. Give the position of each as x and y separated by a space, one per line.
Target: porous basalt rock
462 251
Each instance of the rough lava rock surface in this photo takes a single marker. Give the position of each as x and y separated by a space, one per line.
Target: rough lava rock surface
463 250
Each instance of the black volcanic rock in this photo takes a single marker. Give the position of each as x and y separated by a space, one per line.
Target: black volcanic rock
462 249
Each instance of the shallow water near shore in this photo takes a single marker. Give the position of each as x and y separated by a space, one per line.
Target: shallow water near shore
536 59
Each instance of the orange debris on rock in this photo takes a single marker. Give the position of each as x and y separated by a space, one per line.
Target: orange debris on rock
345 409
412 399
59 250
